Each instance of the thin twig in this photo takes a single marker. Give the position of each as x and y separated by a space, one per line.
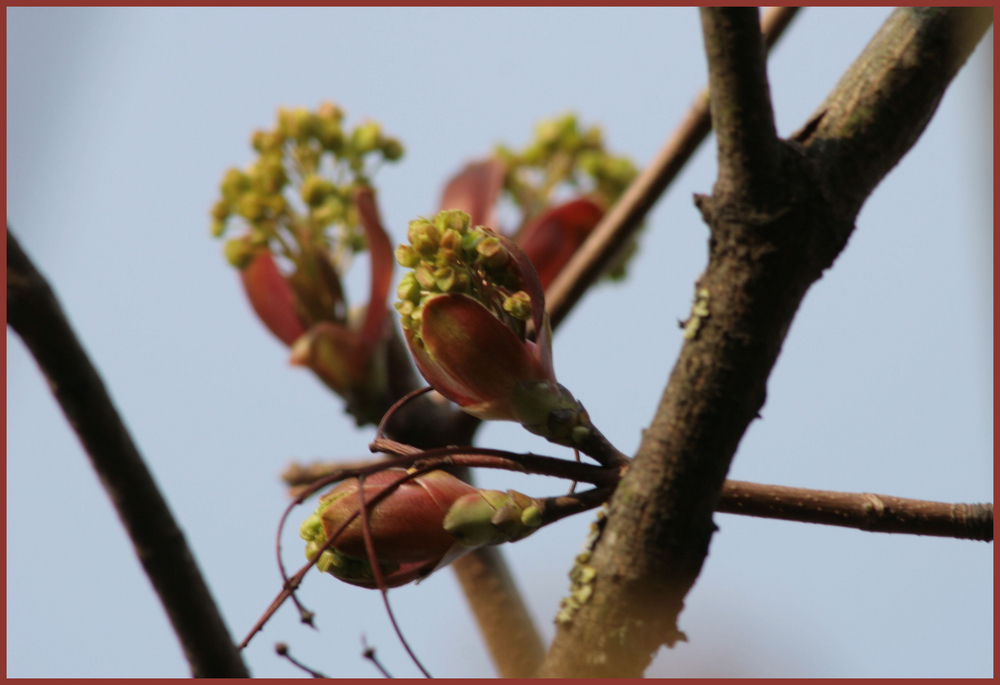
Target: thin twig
290 584
847 509
35 315
864 511
377 572
624 219
281 649
502 459
369 653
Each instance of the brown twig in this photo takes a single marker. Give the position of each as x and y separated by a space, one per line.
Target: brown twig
377 572
293 582
864 511
281 649
501 459
35 315
623 220
369 653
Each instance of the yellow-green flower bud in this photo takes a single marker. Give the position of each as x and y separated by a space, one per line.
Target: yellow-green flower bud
365 137
330 135
451 240
304 124
404 307
315 190
328 111
424 237
453 219
269 175
492 252
239 251
519 305
407 256
392 149
409 289
424 277
251 207
234 184
444 278
220 210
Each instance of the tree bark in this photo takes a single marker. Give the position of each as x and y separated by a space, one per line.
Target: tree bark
780 213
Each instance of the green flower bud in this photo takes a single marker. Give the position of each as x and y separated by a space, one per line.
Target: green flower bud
251 207
425 277
234 184
444 278
493 253
220 210
365 137
519 305
409 289
303 124
315 190
451 241
423 236
268 175
331 137
239 251
328 111
453 219
407 256
392 149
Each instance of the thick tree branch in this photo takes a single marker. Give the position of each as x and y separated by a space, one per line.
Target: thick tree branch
624 219
34 313
885 99
764 252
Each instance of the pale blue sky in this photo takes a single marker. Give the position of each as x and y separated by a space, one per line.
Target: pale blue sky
120 124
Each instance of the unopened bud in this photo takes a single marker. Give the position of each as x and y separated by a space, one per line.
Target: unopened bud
493 253
519 305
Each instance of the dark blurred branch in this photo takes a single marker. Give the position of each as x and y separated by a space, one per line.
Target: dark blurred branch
35 315
624 219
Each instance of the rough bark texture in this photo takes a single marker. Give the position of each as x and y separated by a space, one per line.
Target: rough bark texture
779 214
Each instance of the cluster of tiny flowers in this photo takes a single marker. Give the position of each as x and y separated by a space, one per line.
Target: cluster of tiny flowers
448 255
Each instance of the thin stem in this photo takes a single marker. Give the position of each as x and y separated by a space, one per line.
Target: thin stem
35 315
377 571
281 649
369 653
501 459
863 511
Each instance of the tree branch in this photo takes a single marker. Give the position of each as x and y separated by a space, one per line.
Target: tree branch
34 313
864 511
765 250
624 219
883 102
741 103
